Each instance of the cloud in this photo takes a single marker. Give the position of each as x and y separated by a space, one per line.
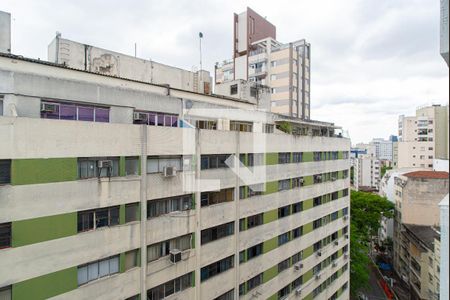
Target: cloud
371 60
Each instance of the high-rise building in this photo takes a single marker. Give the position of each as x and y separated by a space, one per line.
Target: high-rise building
444 30
443 205
119 188
383 148
260 58
367 172
423 137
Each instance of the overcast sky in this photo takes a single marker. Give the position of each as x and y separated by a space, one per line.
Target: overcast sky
372 60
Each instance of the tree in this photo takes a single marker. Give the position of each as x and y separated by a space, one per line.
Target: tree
384 169
366 210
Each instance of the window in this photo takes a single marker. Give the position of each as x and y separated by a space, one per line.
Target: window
131 259
284 184
284 157
206 124
227 296
273 77
6 293
297 232
241 126
254 251
156 119
5 171
94 219
297 207
255 220
98 269
256 189
79 112
131 166
170 287
283 211
268 128
297 182
217 232
317 178
283 238
297 257
233 89
273 63
317 223
283 265
317 156
1 106
89 167
297 157
214 161
131 212
334 195
5 235
216 268
157 164
334 216
161 249
284 292
253 92
255 281
164 206
345 192
317 201
211 198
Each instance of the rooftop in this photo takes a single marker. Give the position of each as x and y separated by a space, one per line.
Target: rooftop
428 174
425 234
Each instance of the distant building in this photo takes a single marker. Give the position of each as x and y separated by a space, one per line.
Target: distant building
417 195
383 148
260 58
423 137
5 32
367 172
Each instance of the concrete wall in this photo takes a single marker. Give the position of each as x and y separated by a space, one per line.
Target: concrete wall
5 32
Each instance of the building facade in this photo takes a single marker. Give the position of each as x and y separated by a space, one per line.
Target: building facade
417 195
116 188
260 58
443 205
367 172
423 137
383 149
444 30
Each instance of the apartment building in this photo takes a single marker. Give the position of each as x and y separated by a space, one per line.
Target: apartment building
383 148
259 57
443 205
417 197
116 188
423 137
367 172
419 261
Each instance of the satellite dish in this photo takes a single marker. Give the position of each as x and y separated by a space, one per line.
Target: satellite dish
188 104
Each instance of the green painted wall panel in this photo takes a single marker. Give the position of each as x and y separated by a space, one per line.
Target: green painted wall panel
122 214
307 252
33 171
307 228
270 273
37 230
271 158
308 276
308 180
271 187
270 216
273 297
46 286
307 156
122 166
270 244
307 204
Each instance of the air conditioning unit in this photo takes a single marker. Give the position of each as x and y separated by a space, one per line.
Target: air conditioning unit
334 264
336 242
138 116
169 171
347 236
318 275
104 163
345 255
298 266
302 180
298 291
346 217
175 255
48 107
319 253
333 178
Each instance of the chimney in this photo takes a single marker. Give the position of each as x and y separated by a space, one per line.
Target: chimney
5 32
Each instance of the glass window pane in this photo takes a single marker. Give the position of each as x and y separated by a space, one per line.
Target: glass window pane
151 119
85 113
103 268
167 120
114 216
101 218
160 119
114 265
92 271
131 166
174 121
152 165
101 114
82 275
68 112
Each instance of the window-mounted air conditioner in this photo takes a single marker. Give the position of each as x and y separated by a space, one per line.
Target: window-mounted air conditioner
346 217
334 264
302 180
347 236
319 253
169 171
104 163
138 116
345 255
298 291
298 266
175 255
318 275
333 178
336 242
48 107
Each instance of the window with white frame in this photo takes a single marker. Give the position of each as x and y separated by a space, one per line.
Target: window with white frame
98 269
162 249
97 218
